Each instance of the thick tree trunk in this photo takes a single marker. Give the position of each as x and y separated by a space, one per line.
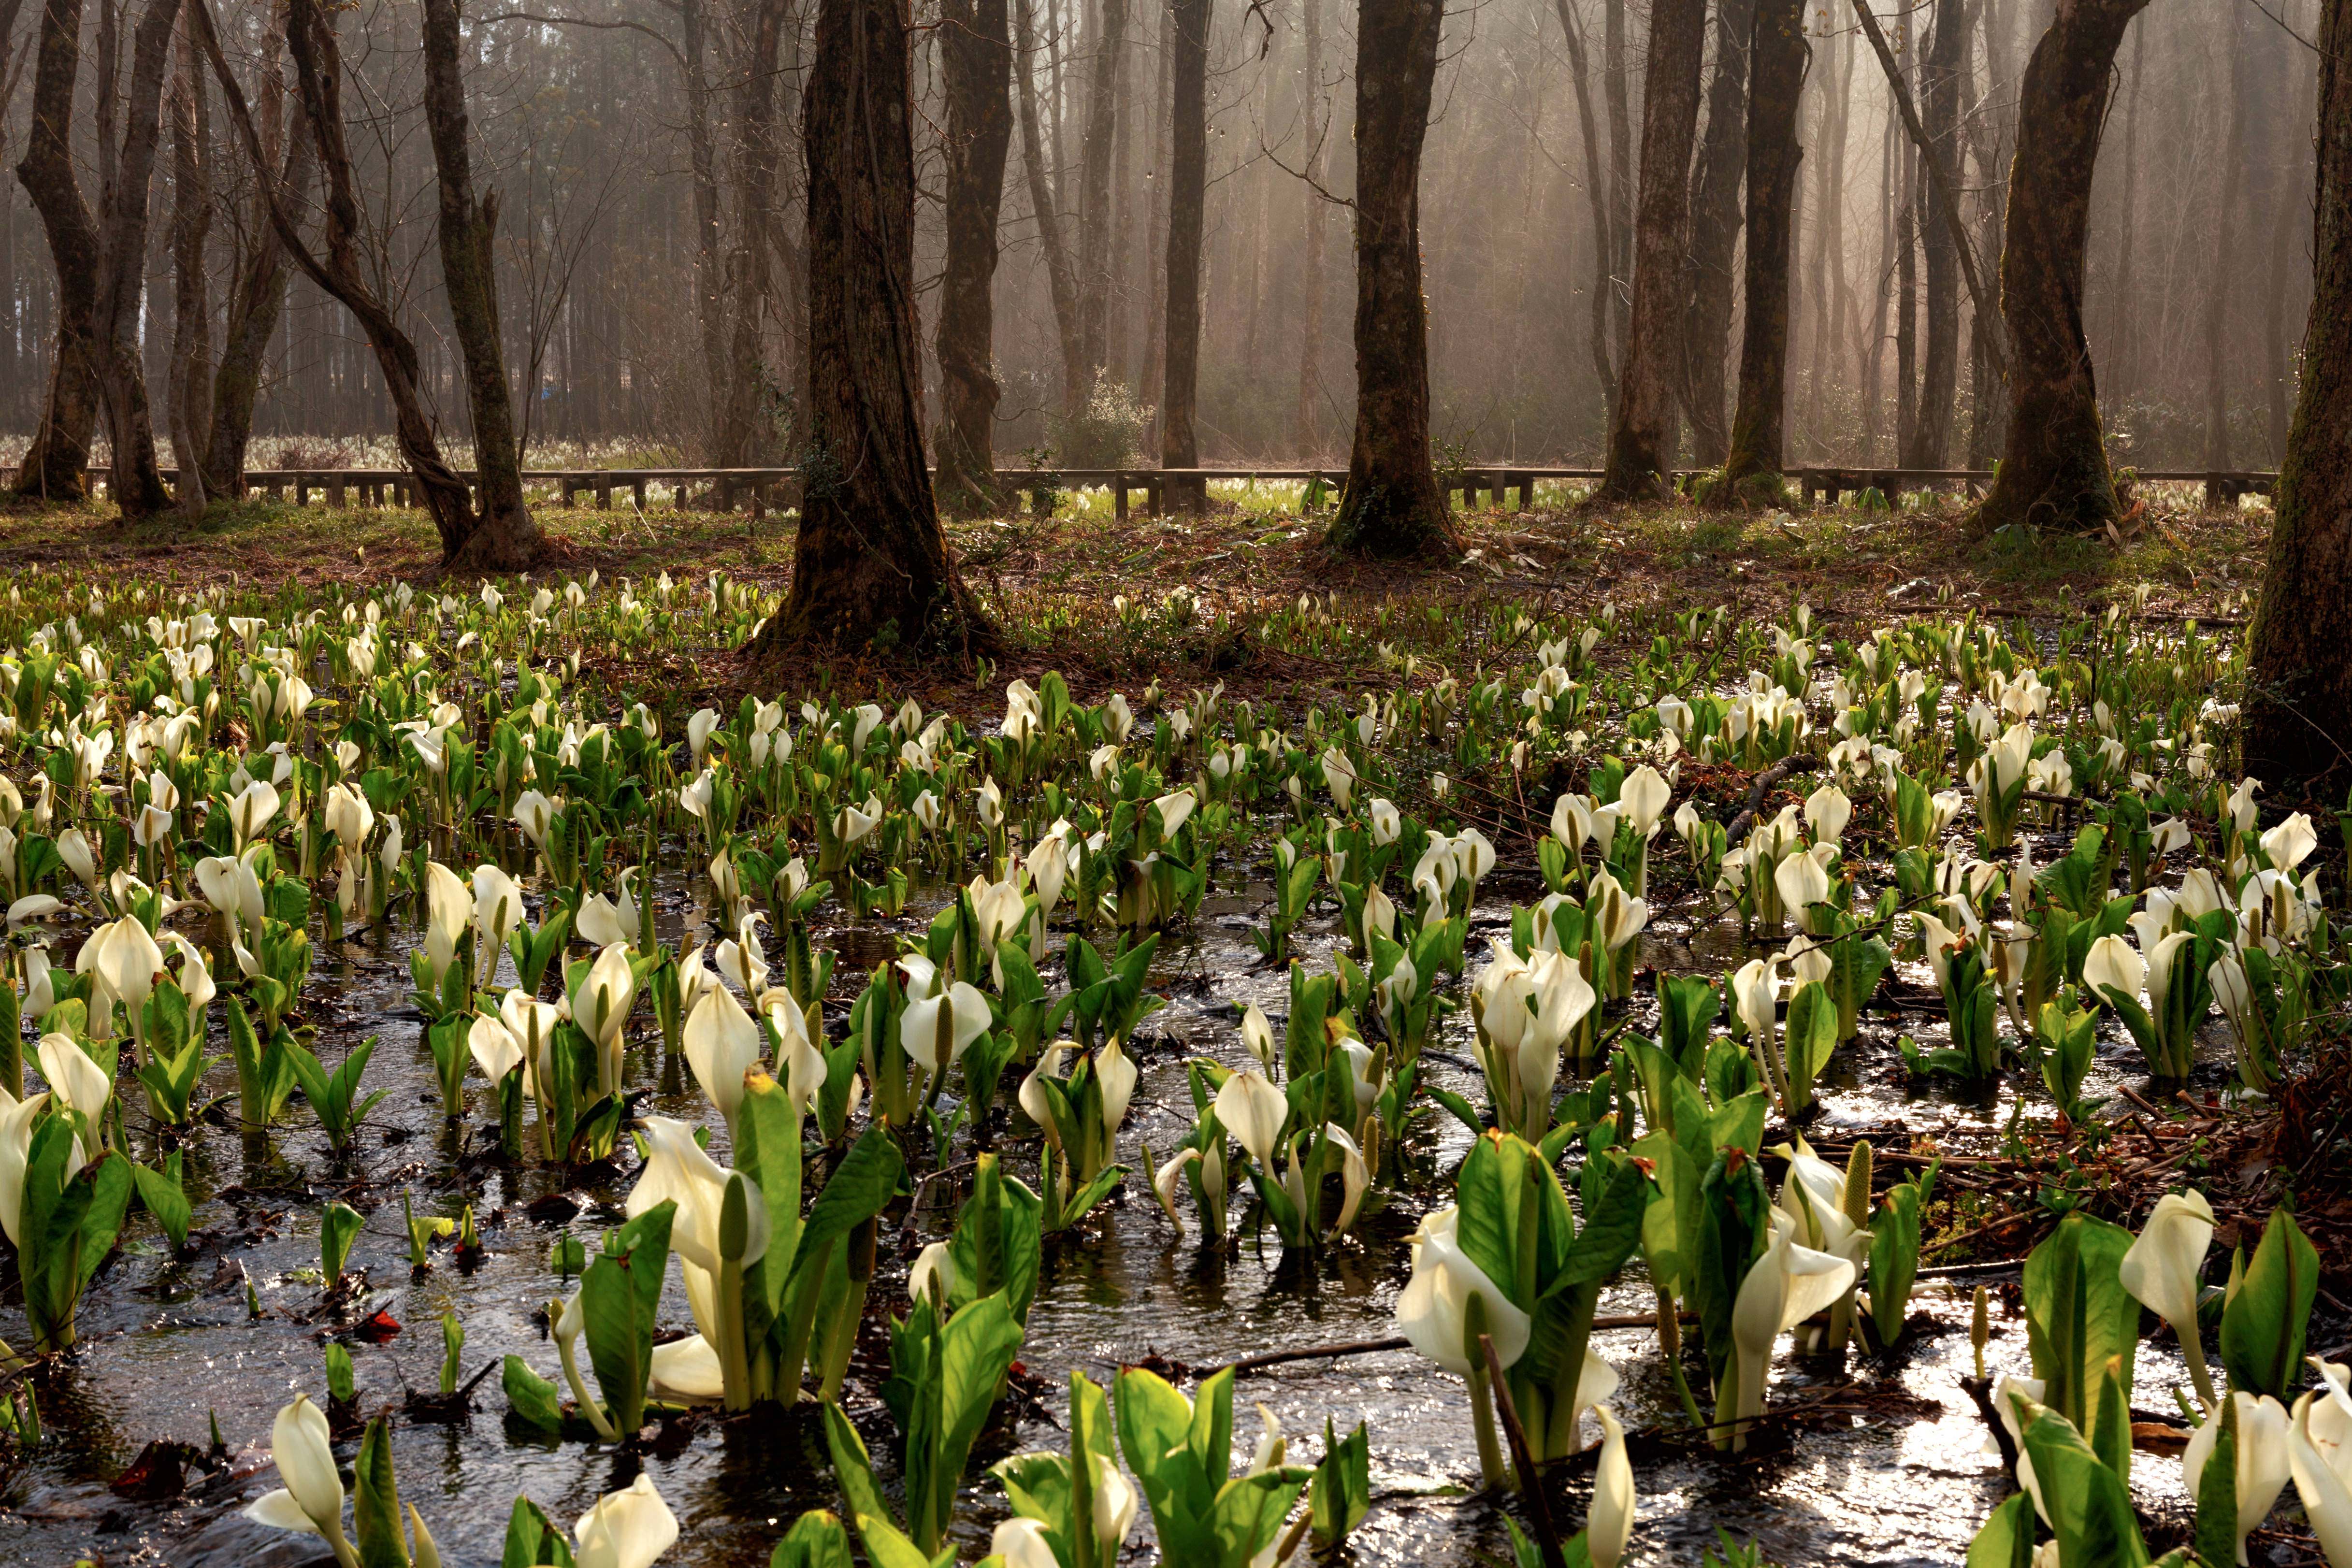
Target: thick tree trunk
136 479
1391 505
2298 709
318 69
871 565
1616 75
1188 170
1715 219
1642 442
1061 284
259 299
503 537
2053 469
1095 260
192 348
710 273
55 463
1777 56
978 60
1604 293
1939 369
1305 436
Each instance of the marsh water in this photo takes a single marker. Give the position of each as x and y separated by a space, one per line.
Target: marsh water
1885 1464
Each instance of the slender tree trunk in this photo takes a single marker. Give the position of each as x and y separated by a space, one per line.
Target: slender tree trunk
1642 440
504 537
749 385
978 61
1391 505
58 457
1777 59
2229 179
1616 66
1060 283
318 70
2298 709
1907 251
258 298
192 348
709 277
1603 292
1306 437
2125 379
1715 219
1187 171
1873 346
2053 469
2278 372
1095 260
1939 370
137 480
872 566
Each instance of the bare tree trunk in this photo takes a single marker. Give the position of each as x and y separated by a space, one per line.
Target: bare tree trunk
978 60
59 456
710 280
1188 173
258 298
192 349
1391 505
137 481
2298 709
1604 293
318 69
1305 436
872 566
2278 372
1095 187
2229 178
2053 470
503 537
1715 218
2125 379
1642 440
1939 370
749 383
1777 59
1616 66
1060 283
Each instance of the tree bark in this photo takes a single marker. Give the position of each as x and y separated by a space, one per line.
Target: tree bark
1095 187
1061 284
978 60
2053 470
2125 379
2298 709
503 537
2229 179
1187 171
1715 220
124 215
1596 192
318 69
709 280
1305 436
1616 75
259 299
55 463
1642 441
192 350
749 383
1939 369
871 567
1391 505
1777 58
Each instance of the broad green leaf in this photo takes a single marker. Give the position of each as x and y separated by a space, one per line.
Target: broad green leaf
2263 1327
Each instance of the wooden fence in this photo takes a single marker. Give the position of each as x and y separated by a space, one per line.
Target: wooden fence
762 490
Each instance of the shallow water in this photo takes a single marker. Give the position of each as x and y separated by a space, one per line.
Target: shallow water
1896 1472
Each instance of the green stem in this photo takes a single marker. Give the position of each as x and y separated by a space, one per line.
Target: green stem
588 1407
853 1310
1482 1398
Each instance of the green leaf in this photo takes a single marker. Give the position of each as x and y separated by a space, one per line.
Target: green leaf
618 1294
2006 1538
375 1501
161 1194
2082 1325
2263 1327
1612 1229
1341 1492
338 1225
532 1540
2217 1492
816 1540
1894 1261
532 1399
2090 1505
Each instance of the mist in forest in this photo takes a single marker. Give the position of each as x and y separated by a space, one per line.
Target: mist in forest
647 161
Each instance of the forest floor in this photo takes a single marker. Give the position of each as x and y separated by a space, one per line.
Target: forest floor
1066 590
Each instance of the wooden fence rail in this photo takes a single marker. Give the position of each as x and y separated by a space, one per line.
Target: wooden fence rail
760 489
